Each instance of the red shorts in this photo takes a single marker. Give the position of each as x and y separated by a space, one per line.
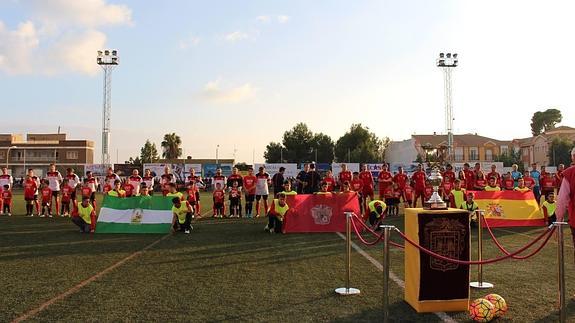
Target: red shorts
367 191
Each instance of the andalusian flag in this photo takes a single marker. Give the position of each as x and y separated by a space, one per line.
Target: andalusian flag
141 214
510 208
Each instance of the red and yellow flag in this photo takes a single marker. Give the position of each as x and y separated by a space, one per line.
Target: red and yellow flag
510 208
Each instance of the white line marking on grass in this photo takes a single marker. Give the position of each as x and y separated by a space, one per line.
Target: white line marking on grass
442 315
76 288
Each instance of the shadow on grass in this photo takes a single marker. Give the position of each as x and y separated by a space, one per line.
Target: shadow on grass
399 311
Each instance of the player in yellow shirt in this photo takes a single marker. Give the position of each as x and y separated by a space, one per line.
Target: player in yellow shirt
492 185
117 191
86 216
182 218
548 207
521 186
173 192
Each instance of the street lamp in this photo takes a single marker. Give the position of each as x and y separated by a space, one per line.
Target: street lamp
217 160
8 154
448 61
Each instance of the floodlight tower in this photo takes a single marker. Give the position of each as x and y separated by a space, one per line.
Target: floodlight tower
447 62
107 59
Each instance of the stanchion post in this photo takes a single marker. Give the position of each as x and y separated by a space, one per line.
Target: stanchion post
480 283
561 271
347 290
386 234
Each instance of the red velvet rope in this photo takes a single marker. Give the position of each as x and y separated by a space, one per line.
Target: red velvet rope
500 247
365 242
379 236
549 232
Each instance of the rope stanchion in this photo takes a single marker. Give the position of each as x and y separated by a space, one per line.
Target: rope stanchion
480 283
546 235
386 234
347 290
561 271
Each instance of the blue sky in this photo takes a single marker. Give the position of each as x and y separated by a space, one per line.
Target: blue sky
239 73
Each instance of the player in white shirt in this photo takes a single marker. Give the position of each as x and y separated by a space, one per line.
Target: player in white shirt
111 178
5 179
135 179
149 180
262 190
54 180
73 182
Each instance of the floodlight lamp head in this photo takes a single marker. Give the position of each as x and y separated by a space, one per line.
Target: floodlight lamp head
455 55
448 55
441 55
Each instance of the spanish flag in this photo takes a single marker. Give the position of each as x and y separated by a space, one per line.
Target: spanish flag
510 208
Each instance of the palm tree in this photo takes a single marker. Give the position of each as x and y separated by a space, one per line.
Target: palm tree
171 146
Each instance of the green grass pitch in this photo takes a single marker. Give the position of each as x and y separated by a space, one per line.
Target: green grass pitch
230 270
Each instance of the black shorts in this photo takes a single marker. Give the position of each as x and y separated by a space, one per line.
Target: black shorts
93 197
73 195
218 205
389 201
56 193
234 201
35 197
197 196
258 197
192 202
30 199
250 197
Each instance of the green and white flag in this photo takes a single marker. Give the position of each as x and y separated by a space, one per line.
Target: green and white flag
140 214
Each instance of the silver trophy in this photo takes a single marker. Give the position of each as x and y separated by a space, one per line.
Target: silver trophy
435 202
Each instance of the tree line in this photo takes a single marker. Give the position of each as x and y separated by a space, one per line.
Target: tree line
300 145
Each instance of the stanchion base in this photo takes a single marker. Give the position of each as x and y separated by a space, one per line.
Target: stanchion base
347 291
482 285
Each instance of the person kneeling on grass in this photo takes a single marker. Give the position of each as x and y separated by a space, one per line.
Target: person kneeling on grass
85 216
470 206
182 218
276 214
548 207
376 209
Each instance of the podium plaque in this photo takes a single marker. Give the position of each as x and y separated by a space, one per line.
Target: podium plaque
431 284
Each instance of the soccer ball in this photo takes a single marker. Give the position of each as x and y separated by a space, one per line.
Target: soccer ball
499 303
481 310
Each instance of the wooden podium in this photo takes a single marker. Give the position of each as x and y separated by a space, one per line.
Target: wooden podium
433 285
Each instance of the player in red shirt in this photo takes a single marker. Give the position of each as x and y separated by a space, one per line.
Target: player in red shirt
446 187
367 185
235 197
408 193
30 194
385 181
7 200
494 173
218 198
559 177
193 200
480 181
87 190
396 198
250 191
468 176
46 194
129 189
36 180
66 192
449 174
330 181
356 185
528 180
344 176
418 178
547 184
428 190
508 182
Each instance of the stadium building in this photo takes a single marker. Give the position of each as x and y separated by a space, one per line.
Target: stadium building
37 151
